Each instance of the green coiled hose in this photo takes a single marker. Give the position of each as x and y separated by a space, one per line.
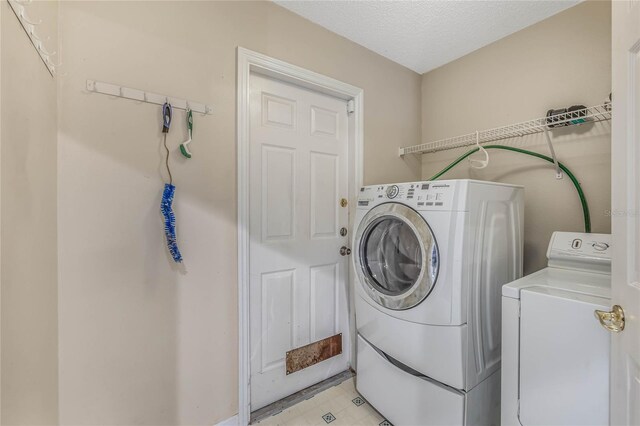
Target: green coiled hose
583 199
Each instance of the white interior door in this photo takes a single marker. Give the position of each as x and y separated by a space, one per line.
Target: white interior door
625 344
299 147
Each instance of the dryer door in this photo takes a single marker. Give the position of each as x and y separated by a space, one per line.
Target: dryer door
396 257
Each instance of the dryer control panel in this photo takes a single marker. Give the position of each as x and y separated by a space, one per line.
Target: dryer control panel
416 194
577 250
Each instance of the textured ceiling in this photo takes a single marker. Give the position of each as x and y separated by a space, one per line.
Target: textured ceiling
422 35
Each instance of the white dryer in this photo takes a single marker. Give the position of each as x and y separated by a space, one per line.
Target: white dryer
555 354
430 260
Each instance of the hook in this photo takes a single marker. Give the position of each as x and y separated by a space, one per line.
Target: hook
59 64
42 50
23 16
479 164
184 147
167 112
50 65
32 31
553 154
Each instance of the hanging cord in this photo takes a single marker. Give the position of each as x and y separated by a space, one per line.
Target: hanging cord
169 192
583 199
167 112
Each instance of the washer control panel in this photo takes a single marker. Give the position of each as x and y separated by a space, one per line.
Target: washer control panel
417 194
580 248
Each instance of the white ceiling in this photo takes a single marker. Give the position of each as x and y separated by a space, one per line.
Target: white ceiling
423 35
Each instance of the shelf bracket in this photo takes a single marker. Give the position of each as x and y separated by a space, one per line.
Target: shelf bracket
553 154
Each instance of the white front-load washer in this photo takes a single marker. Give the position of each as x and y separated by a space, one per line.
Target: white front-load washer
430 259
555 353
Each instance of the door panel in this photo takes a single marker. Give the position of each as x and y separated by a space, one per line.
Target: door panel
299 149
325 181
625 221
278 112
278 312
632 372
278 193
325 280
324 122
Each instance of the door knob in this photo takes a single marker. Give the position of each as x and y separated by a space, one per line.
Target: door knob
612 320
345 251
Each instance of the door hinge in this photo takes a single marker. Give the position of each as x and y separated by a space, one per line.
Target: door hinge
351 106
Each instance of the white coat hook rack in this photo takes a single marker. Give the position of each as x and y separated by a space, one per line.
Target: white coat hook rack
148 97
29 26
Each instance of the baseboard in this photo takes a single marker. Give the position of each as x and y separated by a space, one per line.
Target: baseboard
231 421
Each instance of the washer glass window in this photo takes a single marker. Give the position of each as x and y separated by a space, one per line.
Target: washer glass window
397 258
392 255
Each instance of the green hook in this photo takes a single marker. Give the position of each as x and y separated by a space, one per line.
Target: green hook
184 149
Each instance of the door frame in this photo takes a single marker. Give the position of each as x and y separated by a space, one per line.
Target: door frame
247 62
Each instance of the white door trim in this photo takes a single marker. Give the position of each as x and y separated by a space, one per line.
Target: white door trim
247 62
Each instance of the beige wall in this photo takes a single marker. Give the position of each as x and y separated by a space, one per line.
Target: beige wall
559 62
143 342
29 345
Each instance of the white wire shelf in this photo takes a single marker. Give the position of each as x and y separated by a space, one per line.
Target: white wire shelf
29 25
563 120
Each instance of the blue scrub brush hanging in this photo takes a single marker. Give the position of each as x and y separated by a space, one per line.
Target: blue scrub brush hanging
170 222
168 193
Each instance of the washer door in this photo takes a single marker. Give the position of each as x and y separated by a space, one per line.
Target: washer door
397 256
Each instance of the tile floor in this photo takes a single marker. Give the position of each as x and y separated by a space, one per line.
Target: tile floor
339 405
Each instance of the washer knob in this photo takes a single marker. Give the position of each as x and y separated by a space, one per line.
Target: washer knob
392 191
600 246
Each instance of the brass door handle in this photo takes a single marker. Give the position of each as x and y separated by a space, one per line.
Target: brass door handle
612 320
